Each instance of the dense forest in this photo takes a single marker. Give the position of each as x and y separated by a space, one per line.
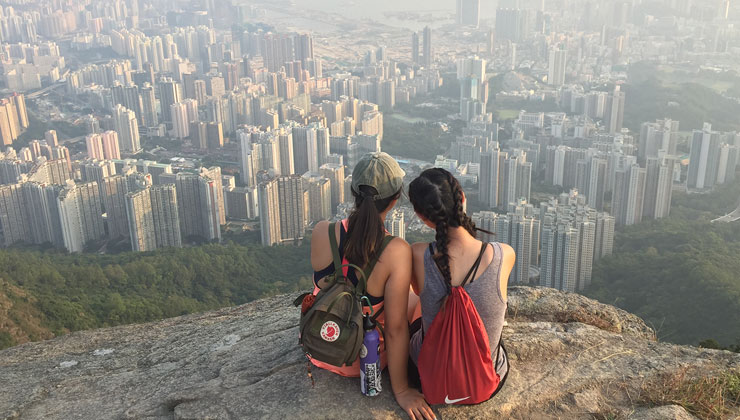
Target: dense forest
43 294
680 273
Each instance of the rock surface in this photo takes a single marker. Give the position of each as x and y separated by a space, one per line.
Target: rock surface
571 358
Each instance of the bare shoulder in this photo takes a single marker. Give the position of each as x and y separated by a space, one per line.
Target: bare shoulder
419 248
320 252
398 248
509 256
320 229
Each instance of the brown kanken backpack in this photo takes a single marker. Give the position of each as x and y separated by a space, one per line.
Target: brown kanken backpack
331 328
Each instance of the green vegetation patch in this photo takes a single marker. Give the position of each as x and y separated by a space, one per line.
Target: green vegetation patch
679 273
82 291
507 114
690 103
422 141
6 340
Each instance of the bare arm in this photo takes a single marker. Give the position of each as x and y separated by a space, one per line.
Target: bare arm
508 260
397 331
319 245
417 278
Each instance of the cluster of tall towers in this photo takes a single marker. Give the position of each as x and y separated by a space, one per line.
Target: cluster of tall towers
425 56
559 242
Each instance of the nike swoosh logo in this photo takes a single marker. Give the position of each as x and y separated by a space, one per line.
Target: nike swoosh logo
449 401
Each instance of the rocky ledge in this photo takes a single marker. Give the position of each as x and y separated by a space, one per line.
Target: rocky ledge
571 357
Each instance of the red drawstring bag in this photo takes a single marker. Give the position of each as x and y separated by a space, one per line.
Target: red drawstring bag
455 364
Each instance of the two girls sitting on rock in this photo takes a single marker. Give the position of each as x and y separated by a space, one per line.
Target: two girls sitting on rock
443 301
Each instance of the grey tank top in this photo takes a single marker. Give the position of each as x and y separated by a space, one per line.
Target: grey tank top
484 291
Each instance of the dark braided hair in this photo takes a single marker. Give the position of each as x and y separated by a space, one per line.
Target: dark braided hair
438 196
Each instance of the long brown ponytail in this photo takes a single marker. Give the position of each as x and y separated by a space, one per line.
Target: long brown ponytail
366 230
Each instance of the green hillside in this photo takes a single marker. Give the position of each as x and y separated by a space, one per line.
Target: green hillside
51 293
680 273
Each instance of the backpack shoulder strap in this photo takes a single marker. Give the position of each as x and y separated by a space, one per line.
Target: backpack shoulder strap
334 247
362 281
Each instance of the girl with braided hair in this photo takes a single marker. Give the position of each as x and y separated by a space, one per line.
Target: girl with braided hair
439 201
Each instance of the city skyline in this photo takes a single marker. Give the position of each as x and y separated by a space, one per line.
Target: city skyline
192 124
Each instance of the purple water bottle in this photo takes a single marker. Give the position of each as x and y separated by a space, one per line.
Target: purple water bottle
370 359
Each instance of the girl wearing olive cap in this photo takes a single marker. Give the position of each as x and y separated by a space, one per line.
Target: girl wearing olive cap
377 182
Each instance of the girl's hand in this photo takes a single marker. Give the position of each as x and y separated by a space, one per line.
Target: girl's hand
413 403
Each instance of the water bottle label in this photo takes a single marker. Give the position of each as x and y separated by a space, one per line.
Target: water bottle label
370 379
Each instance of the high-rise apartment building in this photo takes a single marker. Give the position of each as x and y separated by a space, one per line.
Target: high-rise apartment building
489 181
596 183
491 42
183 113
556 72
127 96
428 57
111 147
149 116
42 206
9 122
81 215
628 195
310 147
395 225
170 92
20 106
94 144
199 210
704 158
214 174
103 146
658 187
334 172
115 189
246 160
656 138
512 24
728 158
127 128
29 212
319 197
269 212
468 12
14 224
165 215
516 179
614 113
415 57
573 237
140 221
51 138
241 203
55 172
292 197
504 178
471 73
603 236
519 228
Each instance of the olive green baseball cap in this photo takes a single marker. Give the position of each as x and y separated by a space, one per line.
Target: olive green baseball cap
380 171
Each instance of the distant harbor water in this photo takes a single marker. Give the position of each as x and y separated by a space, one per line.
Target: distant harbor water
413 15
